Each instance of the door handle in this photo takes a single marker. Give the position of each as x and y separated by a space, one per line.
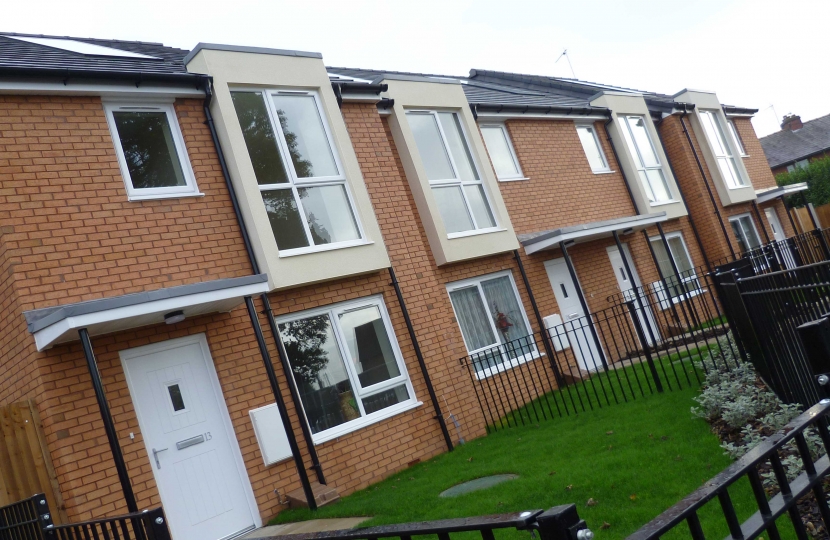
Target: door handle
156 456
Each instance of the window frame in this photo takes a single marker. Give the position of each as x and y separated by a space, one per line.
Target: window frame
333 310
640 165
511 362
458 181
733 129
511 150
593 128
692 278
737 218
724 141
190 189
294 181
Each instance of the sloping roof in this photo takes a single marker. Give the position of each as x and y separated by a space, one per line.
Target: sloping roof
17 54
785 147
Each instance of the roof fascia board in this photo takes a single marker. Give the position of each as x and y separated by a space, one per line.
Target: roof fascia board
486 115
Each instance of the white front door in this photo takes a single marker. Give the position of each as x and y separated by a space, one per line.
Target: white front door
187 431
577 325
783 252
627 284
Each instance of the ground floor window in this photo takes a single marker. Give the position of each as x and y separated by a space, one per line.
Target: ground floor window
745 232
687 282
347 365
493 322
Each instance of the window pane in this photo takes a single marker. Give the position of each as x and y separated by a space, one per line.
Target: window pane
176 397
384 399
681 258
452 208
734 132
479 206
647 185
643 141
369 346
749 229
259 137
458 146
472 318
496 140
665 266
305 135
149 149
713 133
321 376
658 184
739 235
329 214
592 151
430 146
285 218
507 315
729 171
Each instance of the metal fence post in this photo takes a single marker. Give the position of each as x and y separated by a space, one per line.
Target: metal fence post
563 523
44 515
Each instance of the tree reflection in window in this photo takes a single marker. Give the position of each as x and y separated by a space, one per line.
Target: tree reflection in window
149 150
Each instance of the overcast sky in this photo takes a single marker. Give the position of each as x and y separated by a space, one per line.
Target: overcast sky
765 54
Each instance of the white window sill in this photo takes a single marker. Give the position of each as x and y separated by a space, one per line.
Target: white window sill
683 297
664 203
739 187
519 179
137 197
604 171
475 232
510 364
324 247
360 423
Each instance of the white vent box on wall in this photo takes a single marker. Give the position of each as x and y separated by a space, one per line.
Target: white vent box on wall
270 434
553 323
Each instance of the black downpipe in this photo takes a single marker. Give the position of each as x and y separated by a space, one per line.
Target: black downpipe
275 388
544 331
435 405
109 426
760 221
705 181
685 203
788 210
563 246
265 300
619 165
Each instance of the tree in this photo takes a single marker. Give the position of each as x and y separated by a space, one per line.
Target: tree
303 340
817 176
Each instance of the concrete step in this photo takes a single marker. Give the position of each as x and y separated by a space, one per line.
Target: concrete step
323 495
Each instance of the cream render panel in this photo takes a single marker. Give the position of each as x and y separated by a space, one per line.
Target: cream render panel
622 104
423 95
708 101
237 68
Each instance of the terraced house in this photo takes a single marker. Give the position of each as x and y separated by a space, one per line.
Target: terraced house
234 277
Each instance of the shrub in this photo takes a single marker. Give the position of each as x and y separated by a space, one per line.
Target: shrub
817 176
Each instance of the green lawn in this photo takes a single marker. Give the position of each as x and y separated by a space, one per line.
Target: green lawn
635 459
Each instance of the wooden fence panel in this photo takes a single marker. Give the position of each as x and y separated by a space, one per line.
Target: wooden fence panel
25 464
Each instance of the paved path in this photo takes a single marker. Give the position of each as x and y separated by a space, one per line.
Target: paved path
313 525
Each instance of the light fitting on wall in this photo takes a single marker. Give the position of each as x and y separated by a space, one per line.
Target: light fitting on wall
174 317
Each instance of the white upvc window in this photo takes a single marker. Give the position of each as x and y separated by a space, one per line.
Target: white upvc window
800 164
733 131
686 284
745 232
720 146
493 322
300 177
150 149
452 172
593 149
645 157
347 365
501 152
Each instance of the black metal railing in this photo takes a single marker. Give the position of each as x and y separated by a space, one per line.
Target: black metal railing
802 249
767 455
649 340
558 523
30 519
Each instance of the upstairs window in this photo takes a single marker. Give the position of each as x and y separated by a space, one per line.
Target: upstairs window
593 150
687 282
733 130
645 157
451 171
150 150
721 148
501 152
297 168
745 232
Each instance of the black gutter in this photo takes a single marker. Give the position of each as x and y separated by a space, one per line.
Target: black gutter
760 221
537 109
685 203
730 109
705 180
435 405
196 79
271 323
347 87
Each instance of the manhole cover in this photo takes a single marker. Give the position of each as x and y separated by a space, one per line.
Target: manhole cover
477 484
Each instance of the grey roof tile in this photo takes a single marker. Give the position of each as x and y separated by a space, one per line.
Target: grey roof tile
784 147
